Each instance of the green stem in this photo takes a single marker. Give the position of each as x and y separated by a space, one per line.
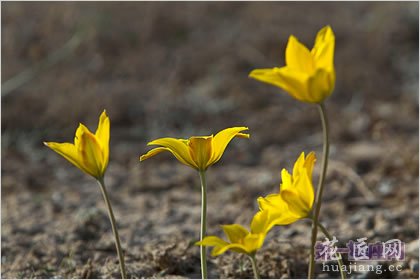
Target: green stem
254 266
114 228
203 255
338 255
318 198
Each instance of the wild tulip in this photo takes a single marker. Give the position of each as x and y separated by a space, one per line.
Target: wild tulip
295 199
309 75
198 152
90 153
240 239
296 196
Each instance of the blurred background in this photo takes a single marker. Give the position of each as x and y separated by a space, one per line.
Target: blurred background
181 69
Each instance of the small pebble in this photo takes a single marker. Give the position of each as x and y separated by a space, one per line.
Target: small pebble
385 187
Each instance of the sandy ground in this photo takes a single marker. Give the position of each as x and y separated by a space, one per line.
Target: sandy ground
180 69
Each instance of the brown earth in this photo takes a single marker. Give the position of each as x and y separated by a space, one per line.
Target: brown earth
180 69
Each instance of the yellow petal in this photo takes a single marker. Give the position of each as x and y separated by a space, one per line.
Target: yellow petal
260 222
298 57
309 163
102 134
215 241
303 181
323 50
278 210
297 190
235 232
201 150
236 247
243 135
305 190
267 204
321 85
212 241
263 204
273 203
222 139
91 154
295 83
286 180
69 152
221 246
178 147
218 250
297 167
295 203
269 76
79 131
153 152
253 242
284 218
291 81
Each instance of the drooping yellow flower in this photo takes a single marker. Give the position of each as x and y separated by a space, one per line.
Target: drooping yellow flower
90 152
240 239
308 76
199 152
296 196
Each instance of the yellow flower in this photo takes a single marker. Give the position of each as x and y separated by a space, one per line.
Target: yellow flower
199 152
240 239
90 152
308 76
296 196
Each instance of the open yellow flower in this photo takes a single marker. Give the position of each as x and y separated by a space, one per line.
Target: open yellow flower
199 152
308 76
240 239
296 196
90 152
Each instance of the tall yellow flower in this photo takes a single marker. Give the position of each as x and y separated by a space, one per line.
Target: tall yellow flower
309 75
198 152
90 152
296 196
240 239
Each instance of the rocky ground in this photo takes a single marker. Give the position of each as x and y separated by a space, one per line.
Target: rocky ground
180 69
